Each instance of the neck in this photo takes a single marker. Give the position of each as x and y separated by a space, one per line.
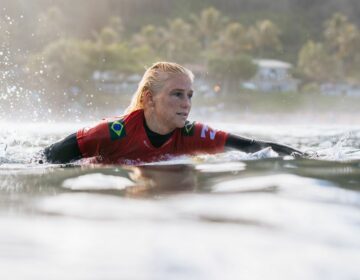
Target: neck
154 125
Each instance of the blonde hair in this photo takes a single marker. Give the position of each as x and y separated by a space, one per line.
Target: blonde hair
153 80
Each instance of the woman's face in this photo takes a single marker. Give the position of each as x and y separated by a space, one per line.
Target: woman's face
173 103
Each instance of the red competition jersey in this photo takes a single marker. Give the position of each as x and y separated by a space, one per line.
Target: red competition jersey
124 141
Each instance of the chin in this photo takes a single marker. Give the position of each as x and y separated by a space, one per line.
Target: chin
181 124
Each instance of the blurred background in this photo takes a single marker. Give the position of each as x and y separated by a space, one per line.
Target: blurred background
82 60
262 67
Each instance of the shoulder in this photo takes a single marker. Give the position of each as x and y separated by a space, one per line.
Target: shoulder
197 138
200 130
115 127
118 126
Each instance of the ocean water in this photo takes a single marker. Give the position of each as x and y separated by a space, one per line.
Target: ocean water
227 216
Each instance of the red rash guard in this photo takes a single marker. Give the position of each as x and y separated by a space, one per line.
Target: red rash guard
124 141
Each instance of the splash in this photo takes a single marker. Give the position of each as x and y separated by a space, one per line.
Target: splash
17 101
340 149
23 96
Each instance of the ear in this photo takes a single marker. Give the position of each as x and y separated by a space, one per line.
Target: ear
148 98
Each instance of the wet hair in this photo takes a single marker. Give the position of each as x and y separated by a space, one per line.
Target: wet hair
154 80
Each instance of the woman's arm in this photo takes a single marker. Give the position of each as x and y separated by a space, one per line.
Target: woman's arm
64 151
250 145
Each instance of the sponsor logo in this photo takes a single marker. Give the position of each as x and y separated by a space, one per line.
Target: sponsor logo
188 129
117 130
205 129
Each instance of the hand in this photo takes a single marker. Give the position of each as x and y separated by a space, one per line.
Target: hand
311 154
284 150
297 155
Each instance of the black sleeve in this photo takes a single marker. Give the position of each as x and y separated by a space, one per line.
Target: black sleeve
250 145
64 151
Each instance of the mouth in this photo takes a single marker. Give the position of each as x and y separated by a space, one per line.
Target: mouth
184 115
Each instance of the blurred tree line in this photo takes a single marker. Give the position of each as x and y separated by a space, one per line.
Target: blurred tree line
64 44
209 38
334 58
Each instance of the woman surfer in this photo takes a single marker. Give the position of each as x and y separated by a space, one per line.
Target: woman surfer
154 127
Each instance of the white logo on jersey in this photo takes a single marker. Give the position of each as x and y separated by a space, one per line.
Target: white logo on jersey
205 128
146 144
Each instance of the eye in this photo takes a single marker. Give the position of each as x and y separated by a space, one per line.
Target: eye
190 95
178 93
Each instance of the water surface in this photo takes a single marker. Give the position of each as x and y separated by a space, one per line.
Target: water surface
226 216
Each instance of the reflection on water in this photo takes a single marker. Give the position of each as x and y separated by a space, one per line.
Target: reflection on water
225 216
166 179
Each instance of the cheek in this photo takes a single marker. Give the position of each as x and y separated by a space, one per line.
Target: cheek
171 110
165 107
169 105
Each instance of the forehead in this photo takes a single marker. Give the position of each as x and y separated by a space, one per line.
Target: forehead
178 81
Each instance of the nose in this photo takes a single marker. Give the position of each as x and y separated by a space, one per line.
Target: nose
186 103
